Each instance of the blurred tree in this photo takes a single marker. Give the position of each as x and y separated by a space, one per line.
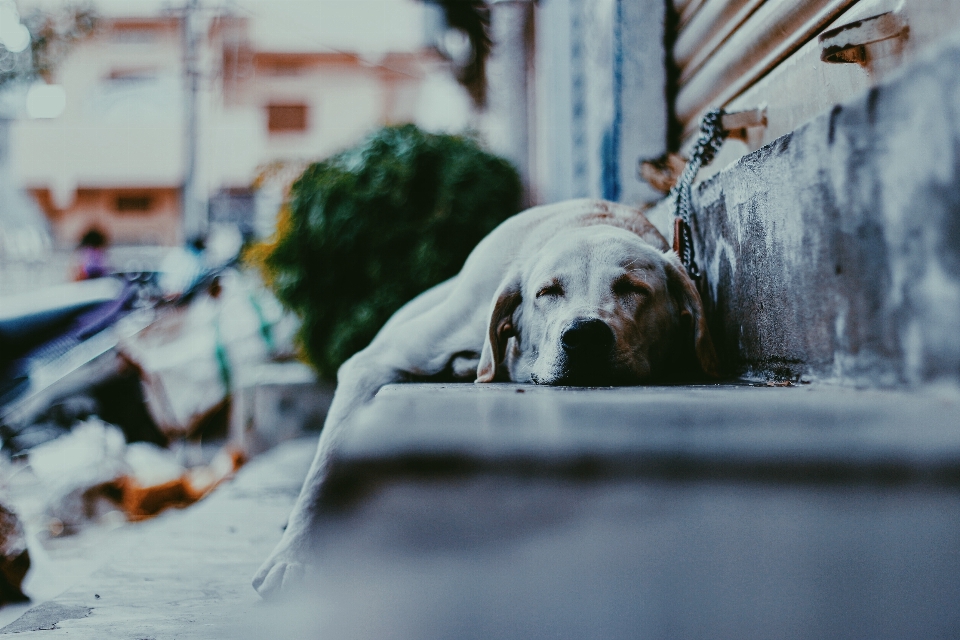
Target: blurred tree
367 230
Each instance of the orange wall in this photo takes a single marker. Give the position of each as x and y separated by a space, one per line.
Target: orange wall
157 223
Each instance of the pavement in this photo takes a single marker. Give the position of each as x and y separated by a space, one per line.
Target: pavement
479 511
184 574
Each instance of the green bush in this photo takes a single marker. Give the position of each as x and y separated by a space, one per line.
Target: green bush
367 230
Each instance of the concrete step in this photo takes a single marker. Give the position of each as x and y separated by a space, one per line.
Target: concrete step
776 431
477 511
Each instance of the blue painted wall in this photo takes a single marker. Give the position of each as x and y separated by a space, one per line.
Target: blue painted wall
600 97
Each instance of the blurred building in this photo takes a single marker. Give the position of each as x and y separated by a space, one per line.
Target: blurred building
118 156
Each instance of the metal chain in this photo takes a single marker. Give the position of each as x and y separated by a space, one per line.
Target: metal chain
709 142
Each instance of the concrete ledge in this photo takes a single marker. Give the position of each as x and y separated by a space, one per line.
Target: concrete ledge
723 429
481 511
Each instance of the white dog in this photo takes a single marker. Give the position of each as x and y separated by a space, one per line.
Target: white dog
584 292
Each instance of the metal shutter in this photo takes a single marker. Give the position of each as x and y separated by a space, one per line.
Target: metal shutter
783 60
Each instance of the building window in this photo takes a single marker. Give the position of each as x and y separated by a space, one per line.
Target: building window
286 118
130 36
133 204
237 207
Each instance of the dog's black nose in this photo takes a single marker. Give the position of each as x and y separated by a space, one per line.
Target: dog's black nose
583 337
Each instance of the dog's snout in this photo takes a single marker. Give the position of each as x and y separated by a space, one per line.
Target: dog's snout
591 336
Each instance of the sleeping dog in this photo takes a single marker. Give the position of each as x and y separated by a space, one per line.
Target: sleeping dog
584 292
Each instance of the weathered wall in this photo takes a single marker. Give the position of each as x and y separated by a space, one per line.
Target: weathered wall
834 252
506 125
600 97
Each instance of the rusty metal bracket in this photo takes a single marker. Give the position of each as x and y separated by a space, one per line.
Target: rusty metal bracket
745 125
733 120
865 41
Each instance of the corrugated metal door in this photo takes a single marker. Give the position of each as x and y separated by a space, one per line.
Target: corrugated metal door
790 60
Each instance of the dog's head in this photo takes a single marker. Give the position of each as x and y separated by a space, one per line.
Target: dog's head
596 306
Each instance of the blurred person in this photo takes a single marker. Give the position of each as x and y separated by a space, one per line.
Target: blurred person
92 256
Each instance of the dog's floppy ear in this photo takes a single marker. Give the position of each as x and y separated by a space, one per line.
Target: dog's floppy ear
691 311
500 329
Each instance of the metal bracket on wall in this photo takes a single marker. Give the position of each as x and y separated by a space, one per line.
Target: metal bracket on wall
875 43
745 125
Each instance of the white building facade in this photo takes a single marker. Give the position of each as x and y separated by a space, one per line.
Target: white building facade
271 89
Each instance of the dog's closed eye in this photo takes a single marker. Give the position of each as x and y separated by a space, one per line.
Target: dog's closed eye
626 286
552 289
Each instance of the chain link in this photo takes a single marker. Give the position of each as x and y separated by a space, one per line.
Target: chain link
709 142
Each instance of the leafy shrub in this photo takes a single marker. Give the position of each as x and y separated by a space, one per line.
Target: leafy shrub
367 230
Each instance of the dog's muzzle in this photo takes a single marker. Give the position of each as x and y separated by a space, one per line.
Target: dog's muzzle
587 353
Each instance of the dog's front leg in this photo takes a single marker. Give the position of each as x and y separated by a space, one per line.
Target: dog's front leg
422 339
285 569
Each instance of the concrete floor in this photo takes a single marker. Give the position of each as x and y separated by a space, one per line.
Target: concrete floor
184 574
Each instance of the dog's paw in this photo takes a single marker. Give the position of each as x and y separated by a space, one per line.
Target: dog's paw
278 577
